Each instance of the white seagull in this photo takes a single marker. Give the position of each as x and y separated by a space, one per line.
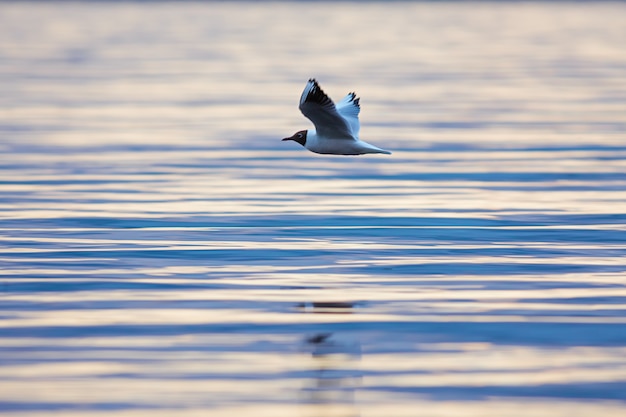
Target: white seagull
336 127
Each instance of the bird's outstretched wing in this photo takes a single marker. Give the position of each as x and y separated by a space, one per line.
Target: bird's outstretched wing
321 110
350 108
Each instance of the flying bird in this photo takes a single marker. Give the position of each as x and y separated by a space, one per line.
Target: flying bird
336 126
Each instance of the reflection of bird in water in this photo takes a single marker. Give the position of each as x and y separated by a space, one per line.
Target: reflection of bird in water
318 338
322 307
321 343
334 375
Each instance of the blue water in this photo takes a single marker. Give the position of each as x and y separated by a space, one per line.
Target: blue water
163 253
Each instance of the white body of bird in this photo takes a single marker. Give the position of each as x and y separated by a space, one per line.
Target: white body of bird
328 145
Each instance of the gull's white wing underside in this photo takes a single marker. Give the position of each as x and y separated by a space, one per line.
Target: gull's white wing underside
321 110
350 108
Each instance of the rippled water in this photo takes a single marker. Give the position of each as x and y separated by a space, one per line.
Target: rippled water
163 253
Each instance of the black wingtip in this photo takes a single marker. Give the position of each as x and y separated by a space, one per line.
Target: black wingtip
317 95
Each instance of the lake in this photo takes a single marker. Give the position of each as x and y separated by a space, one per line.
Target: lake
163 253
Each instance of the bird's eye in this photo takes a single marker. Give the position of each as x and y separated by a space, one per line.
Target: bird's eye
299 135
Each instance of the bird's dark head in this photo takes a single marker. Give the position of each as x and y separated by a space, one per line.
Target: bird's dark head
299 137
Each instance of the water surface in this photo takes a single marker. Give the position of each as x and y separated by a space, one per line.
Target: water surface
163 253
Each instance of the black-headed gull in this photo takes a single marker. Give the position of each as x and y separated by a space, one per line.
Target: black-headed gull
336 127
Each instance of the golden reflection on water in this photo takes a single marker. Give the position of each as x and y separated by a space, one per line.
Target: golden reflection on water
163 253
